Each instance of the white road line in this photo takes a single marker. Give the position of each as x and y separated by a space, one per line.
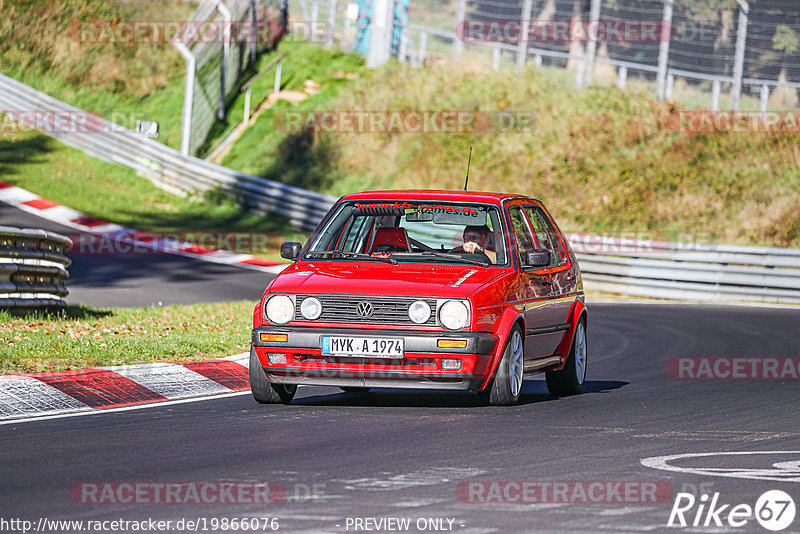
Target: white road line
780 472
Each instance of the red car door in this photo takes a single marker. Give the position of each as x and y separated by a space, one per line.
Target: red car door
535 283
559 273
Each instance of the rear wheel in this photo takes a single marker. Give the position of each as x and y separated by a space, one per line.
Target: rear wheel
265 391
569 381
354 389
505 387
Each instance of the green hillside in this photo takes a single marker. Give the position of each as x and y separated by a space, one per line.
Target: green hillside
601 159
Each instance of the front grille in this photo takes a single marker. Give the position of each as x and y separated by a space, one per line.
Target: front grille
386 310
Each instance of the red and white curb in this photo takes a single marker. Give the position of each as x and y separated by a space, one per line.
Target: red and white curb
41 207
98 388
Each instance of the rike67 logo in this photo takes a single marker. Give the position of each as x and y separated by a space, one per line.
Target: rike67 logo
774 510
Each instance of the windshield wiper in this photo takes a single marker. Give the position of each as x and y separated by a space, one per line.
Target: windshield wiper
355 254
453 256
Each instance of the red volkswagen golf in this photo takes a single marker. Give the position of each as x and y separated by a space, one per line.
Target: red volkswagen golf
424 289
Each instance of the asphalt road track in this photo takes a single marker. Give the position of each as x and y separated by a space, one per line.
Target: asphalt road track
403 454
124 280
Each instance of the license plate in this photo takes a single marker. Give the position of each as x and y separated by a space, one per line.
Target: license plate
368 347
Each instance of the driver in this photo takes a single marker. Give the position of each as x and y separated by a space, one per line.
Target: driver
475 242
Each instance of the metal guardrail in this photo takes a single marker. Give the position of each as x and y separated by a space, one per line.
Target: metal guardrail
164 166
33 268
665 270
694 272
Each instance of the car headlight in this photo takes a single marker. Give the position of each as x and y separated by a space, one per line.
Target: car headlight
311 308
279 309
419 312
454 315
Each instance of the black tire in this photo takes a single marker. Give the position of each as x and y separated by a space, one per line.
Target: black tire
500 391
354 389
570 380
264 391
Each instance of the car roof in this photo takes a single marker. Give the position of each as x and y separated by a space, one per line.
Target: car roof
433 195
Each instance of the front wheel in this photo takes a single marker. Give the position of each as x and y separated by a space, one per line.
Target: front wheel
264 391
569 381
505 387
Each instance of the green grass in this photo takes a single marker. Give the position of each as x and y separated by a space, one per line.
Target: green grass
115 193
601 159
119 81
125 82
294 159
80 337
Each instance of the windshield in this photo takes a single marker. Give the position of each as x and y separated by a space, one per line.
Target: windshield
413 231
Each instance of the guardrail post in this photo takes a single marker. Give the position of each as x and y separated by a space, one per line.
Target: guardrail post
278 70
349 26
670 86
306 17
246 118
579 68
537 60
331 24
380 33
423 42
496 58
663 49
254 30
402 52
314 19
715 88
763 101
223 64
461 9
622 76
591 43
522 46
738 60
188 97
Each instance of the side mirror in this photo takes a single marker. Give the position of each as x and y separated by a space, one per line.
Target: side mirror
538 257
291 250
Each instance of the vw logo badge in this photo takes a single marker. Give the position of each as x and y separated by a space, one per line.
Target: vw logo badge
364 309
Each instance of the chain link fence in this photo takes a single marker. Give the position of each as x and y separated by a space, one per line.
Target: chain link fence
712 53
226 37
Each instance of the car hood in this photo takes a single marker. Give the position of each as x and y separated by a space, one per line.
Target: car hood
351 278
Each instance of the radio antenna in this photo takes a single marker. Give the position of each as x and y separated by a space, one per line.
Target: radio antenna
466 180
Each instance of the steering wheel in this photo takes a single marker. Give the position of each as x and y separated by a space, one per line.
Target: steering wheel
460 250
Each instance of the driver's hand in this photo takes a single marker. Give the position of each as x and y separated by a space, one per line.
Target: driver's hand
470 247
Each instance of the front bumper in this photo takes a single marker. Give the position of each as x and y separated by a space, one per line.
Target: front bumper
420 367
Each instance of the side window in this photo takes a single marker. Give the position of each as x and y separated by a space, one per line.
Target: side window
522 234
545 234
